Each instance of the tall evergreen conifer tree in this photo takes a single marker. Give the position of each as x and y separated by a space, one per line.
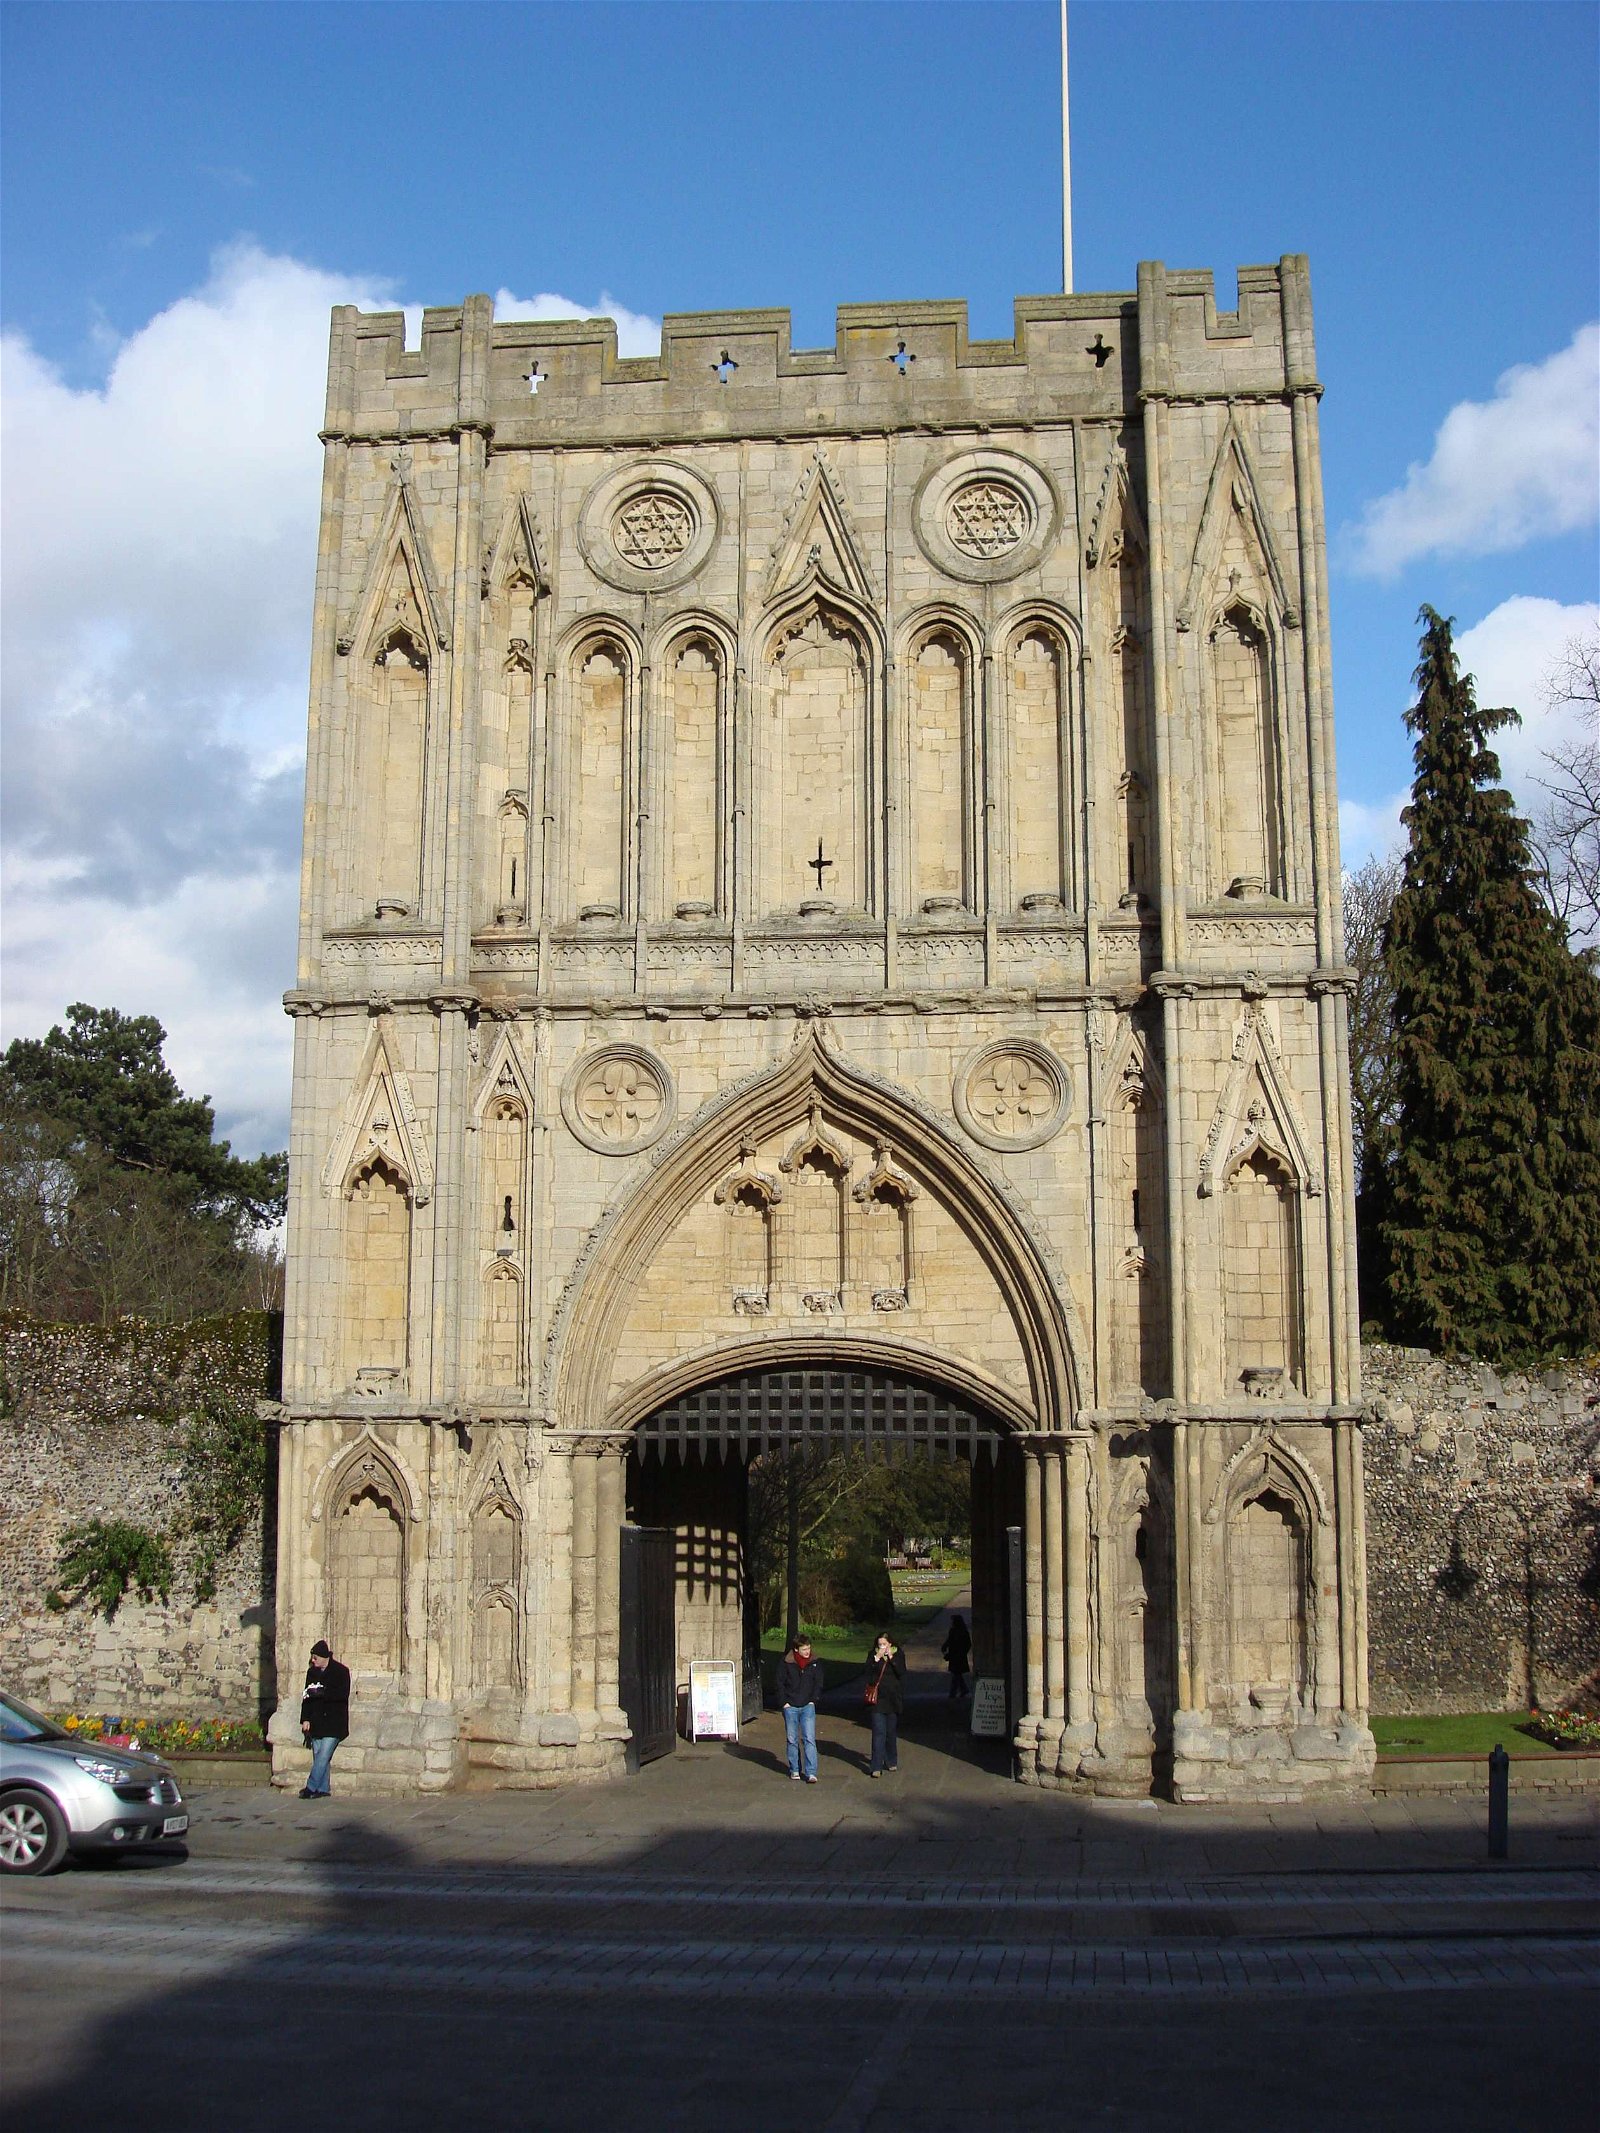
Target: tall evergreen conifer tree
1487 1187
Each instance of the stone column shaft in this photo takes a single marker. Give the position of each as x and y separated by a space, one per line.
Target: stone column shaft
1033 1582
1079 1702
1055 1650
585 1471
608 1582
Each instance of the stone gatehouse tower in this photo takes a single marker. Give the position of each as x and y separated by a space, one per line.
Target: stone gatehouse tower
821 923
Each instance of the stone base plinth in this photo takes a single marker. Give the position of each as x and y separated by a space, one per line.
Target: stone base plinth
1214 1758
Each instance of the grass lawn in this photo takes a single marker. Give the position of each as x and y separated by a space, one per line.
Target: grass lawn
1471 1733
843 1651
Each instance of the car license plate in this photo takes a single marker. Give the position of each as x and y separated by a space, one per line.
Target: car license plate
174 1825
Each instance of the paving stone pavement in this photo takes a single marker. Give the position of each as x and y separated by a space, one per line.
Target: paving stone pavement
707 1946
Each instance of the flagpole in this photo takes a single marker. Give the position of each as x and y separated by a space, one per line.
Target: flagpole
1066 166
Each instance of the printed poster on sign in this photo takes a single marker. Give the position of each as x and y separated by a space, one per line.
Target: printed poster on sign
989 1707
713 1699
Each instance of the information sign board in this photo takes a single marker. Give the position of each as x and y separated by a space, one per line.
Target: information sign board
989 1706
713 1699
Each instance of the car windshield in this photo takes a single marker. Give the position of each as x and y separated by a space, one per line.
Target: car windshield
18 1723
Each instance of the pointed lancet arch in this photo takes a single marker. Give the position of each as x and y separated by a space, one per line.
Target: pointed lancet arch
777 1101
1264 1461
1257 1110
1233 493
516 556
365 1460
819 538
1116 511
402 537
380 1123
504 1074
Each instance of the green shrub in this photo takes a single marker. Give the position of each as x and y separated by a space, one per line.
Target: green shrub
101 1559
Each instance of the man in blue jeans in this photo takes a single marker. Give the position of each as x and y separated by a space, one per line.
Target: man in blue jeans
324 1716
799 1686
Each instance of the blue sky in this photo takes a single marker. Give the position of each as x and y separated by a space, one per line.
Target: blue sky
187 189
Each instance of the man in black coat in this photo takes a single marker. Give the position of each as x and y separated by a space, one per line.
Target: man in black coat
324 1716
799 1686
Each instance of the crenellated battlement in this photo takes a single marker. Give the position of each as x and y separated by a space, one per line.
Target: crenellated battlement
893 366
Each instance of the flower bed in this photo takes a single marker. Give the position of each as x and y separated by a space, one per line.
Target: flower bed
1566 1729
167 1736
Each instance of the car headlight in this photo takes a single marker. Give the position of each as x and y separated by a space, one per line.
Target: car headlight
107 1773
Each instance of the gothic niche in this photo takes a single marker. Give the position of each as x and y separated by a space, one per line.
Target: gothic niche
511 900
496 1549
1139 1294
597 826
882 1253
1038 814
1133 778
814 1231
366 1568
377 1272
694 707
1261 1273
391 746
1248 831
1268 1586
750 1196
814 768
940 723
503 1170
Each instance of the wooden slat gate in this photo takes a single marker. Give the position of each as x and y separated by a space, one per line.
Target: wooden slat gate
648 1658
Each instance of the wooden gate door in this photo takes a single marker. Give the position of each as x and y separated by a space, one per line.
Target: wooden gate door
649 1646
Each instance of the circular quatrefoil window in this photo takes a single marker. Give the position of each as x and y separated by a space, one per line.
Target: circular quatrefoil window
1013 1094
618 1101
986 515
648 526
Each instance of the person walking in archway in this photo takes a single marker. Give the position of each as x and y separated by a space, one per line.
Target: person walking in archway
886 1699
799 1686
956 1652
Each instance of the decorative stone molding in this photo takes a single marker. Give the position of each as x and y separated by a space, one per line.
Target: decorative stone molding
618 1100
985 516
1012 1094
649 526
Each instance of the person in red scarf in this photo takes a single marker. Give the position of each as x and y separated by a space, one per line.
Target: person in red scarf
799 1686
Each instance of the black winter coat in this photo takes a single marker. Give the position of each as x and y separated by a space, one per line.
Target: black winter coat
325 1705
890 1677
798 1684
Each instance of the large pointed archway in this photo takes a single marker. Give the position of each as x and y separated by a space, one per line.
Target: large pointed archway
814 1206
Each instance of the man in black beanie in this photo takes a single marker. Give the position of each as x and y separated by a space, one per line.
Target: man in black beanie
324 1716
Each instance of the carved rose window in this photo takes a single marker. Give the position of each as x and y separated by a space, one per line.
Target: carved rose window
988 518
652 530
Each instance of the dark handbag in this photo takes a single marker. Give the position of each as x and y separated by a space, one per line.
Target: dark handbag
871 1692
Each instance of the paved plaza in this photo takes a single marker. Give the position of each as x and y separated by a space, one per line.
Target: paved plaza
709 1945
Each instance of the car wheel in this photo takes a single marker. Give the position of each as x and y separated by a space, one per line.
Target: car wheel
33 1835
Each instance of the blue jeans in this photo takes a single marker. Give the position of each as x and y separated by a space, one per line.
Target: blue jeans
885 1738
322 1748
800 1737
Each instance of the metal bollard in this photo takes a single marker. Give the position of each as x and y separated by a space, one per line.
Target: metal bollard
1499 1801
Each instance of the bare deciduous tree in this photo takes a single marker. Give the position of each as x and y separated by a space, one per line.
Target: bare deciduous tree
1566 830
1369 896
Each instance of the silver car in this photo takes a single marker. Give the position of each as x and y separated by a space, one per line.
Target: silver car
59 1794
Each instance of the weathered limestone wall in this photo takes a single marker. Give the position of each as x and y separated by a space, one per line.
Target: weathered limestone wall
92 1425
1483 1517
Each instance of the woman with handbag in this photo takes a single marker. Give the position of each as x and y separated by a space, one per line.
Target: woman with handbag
886 1697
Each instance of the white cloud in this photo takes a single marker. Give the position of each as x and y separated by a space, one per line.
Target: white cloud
1369 826
1518 468
1510 655
637 333
160 543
